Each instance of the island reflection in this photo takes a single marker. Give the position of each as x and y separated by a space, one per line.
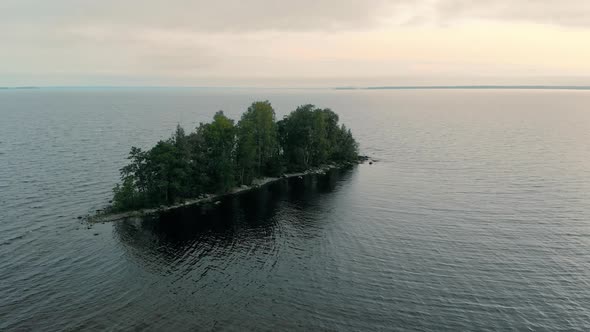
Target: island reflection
253 223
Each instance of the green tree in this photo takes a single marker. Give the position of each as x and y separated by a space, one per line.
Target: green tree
198 178
131 193
296 137
168 173
219 139
126 196
346 147
157 176
258 146
216 154
310 136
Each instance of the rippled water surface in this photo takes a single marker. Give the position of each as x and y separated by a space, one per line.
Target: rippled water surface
476 217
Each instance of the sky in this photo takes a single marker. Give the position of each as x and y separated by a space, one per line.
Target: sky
293 43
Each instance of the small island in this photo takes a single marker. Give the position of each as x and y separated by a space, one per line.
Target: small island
222 157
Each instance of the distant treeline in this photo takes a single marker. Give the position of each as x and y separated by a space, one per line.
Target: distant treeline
220 155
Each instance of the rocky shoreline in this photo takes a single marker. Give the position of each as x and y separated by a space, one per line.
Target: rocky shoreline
101 216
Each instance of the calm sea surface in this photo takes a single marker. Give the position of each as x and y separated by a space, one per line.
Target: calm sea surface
476 217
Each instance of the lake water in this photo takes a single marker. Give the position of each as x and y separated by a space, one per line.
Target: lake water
476 217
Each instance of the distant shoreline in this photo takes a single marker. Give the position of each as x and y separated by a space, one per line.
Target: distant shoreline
19 88
471 87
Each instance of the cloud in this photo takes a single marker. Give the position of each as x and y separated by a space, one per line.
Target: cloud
199 15
187 39
275 15
553 12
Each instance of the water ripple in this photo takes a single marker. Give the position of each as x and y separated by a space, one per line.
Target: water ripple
475 218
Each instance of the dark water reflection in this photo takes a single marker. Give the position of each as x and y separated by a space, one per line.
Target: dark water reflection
475 218
254 218
253 247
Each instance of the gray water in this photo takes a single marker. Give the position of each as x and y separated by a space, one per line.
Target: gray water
476 217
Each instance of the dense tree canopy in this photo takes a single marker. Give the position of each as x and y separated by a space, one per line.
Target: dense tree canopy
311 136
258 142
220 155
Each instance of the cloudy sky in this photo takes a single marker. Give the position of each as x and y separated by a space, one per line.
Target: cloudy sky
293 43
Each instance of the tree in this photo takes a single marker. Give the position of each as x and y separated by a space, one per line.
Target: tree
296 137
126 196
216 154
310 136
219 138
157 176
346 147
198 178
257 137
168 171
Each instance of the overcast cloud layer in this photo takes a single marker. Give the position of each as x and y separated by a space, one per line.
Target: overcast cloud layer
229 42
